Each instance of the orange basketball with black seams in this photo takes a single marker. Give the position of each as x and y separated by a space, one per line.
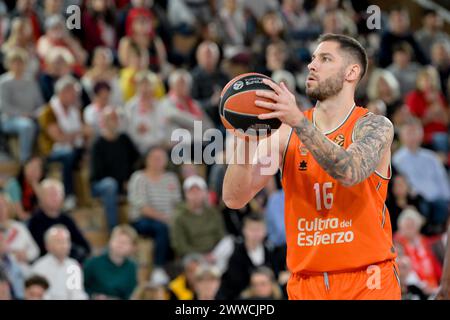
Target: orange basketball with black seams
237 108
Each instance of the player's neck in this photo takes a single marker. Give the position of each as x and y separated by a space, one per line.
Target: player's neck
330 113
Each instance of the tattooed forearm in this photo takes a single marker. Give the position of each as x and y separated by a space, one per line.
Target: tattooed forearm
373 135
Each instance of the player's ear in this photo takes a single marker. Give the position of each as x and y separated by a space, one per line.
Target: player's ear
353 72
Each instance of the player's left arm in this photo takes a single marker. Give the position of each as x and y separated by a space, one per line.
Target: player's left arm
373 135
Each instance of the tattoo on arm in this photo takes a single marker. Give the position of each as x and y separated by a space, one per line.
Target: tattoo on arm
373 135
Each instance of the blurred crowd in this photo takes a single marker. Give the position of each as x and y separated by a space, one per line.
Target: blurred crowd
106 96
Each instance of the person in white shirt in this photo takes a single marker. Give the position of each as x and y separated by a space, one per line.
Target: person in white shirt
64 274
19 241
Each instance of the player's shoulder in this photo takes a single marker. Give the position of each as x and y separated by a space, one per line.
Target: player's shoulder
374 123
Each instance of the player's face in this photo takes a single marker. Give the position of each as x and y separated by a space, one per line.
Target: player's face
326 72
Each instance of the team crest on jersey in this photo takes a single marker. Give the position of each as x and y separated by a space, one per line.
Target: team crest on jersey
339 140
303 150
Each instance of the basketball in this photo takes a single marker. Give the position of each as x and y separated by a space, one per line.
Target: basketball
238 110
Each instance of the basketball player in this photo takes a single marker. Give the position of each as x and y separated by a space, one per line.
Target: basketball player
335 166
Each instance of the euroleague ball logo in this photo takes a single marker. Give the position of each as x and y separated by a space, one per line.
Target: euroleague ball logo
238 85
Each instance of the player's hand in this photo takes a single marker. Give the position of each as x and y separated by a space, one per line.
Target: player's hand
284 106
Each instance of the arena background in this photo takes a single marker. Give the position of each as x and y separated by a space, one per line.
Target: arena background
127 75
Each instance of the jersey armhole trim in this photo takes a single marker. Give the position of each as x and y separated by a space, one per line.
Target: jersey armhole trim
284 153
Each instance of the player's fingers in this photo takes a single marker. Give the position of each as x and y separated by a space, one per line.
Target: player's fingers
273 85
265 104
267 94
271 115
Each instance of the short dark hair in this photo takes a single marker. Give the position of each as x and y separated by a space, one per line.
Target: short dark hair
101 85
253 217
36 280
351 46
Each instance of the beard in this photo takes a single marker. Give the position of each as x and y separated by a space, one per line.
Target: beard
327 88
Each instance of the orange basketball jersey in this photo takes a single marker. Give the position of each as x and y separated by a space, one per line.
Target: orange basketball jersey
330 227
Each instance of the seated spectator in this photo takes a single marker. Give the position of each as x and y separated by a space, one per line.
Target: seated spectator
21 36
144 36
58 64
26 9
410 283
5 287
410 243
399 198
263 286
183 286
62 133
198 227
399 31
384 86
207 282
235 26
99 18
296 18
92 113
36 288
55 266
338 21
50 8
153 194
56 35
440 59
103 70
208 80
49 213
11 268
425 174
146 120
431 32
113 275
19 110
109 178
248 254
151 291
22 190
19 241
403 68
187 16
276 58
427 103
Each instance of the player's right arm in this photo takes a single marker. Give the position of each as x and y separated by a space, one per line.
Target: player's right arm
244 179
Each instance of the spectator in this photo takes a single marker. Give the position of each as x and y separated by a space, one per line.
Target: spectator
146 120
276 58
103 70
337 21
197 227
425 174
151 291
50 8
248 254
296 18
399 31
440 58
183 286
18 239
143 36
56 264
21 36
19 110
207 282
62 133
113 275
432 32
263 286
411 243
235 25
427 103
99 18
11 269
56 35
92 113
26 9
188 16
208 80
23 189
36 288
58 64
399 198
51 196
385 87
109 178
404 70
153 194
